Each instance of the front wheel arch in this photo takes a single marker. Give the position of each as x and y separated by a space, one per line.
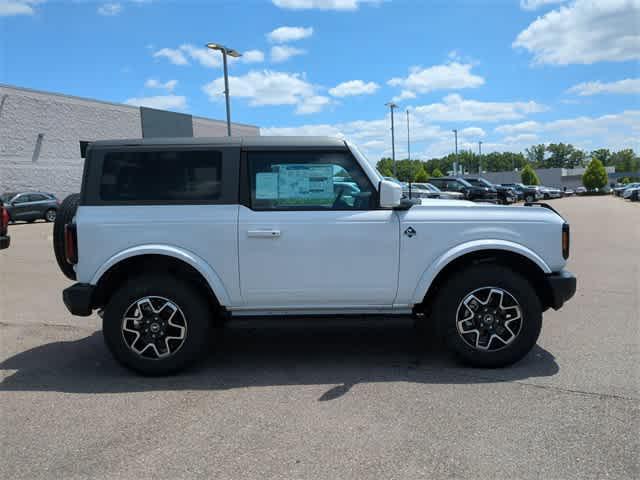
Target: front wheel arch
514 261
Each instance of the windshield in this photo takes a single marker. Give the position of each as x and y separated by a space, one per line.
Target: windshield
480 182
464 182
433 188
5 197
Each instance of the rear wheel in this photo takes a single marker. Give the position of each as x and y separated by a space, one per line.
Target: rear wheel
489 316
50 215
157 325
529 198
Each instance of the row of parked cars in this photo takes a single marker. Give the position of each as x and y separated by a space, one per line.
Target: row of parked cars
481 190
629 191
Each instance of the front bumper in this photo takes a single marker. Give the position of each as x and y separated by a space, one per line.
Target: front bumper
562 286
78 298
5 241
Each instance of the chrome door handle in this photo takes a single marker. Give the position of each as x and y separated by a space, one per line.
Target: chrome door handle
263 233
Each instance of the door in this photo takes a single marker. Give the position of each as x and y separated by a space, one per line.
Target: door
311 233
21 207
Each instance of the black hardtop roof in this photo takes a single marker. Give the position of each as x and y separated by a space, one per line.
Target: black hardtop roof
244 142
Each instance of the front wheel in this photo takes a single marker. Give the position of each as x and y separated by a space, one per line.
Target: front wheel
529 199
50 215
489 316
157 325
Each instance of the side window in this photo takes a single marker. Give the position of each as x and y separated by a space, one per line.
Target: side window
161 176
36 197
21 199
308 180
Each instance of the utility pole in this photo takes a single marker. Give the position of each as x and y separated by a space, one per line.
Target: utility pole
408 138
455 163
391 106
480 155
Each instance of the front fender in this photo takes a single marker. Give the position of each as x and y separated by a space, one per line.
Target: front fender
474 246
186 256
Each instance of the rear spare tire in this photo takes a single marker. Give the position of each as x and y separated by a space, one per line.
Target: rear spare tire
65 214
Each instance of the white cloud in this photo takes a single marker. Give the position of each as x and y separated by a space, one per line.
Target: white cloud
252 56
536 4
110 9
451 76
175 56
455 108
271 88
289 34
312 104
354 87
584 32
9 8
169 85
202 55
472 132
162 102
512 128
521 138
404 95
626 86
322 4
282 53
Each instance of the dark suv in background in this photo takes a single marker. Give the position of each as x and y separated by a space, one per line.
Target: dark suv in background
30 206
506 195
528 194
471 192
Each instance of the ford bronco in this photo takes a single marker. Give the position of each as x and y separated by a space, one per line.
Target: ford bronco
170 236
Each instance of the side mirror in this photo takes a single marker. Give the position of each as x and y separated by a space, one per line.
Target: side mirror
390 194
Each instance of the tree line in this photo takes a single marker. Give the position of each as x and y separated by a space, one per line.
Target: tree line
554 155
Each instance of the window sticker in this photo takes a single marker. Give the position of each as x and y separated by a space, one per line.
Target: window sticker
266 186
305 182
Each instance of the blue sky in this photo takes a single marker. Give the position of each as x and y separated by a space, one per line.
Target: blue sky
507 72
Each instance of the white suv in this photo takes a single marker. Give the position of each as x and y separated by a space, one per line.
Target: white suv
169 236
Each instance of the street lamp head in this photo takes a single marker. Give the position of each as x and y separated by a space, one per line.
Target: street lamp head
229 51
391 105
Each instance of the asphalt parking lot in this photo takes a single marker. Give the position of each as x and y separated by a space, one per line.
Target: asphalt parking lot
329 399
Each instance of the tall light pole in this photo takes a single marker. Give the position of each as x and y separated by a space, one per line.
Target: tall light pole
480 155
232 53
391 106
455 163
408 138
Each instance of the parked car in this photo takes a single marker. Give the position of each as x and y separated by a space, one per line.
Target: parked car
5 239
419 190
31 206
527 193
581 190
619 191
263 232
634 196
568 192
440 194
628 192
506 195
470 192
550 192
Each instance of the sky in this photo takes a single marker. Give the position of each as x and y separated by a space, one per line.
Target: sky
508 73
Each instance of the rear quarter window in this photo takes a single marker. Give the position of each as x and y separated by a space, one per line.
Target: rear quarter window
162 176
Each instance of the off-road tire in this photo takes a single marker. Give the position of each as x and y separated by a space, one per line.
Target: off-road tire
193 305
66 212
466 281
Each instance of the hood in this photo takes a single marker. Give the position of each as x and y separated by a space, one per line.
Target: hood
470 211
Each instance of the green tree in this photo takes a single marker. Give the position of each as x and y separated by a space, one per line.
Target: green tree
421 176
529 176
560 154
603 155
595 176
576 159
436 173
625 161
385 167
535 154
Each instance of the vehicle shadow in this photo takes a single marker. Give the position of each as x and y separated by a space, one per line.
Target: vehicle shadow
249 354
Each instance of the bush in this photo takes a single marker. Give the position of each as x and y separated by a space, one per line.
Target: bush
436 173
421 176
529 176
595 176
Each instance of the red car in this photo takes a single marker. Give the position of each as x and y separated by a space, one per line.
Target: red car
5 239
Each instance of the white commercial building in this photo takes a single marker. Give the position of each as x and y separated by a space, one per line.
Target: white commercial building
41 134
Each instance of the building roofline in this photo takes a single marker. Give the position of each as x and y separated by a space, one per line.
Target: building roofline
113 104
